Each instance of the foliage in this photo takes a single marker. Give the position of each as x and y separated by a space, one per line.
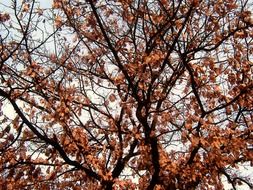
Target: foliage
126 94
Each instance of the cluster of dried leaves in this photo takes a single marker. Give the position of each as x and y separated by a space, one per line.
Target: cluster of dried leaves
126 94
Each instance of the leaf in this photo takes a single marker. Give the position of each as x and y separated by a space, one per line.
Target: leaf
112 97
26 7
58 21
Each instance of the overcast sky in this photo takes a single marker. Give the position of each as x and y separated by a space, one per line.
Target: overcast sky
43 3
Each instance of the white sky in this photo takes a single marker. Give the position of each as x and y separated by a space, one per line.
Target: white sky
43 3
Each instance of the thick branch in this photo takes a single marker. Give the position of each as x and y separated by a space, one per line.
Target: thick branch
47 140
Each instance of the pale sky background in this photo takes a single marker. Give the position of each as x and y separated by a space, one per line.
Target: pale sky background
43 3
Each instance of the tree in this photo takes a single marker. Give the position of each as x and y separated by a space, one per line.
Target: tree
126 94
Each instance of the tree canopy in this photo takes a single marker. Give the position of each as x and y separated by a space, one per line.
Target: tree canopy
126 94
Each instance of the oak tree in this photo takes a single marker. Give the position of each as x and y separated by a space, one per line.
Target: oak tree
126 94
